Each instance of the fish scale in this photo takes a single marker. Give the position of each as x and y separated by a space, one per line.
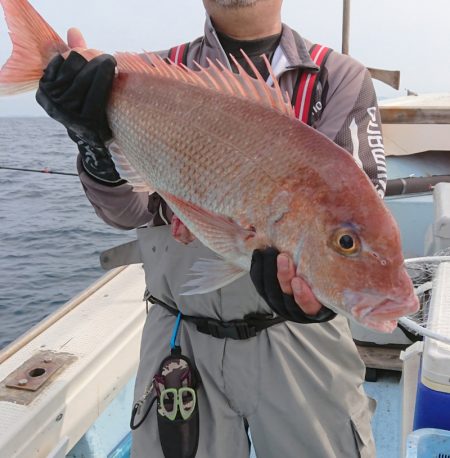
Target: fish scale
206 162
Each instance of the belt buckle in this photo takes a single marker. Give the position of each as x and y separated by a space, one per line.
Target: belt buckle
236 329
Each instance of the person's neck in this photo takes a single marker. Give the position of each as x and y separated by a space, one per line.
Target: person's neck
247 23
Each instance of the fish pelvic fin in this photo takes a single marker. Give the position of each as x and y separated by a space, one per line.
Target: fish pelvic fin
215 77
35 43
219 232
210 275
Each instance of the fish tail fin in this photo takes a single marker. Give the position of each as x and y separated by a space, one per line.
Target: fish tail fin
34 44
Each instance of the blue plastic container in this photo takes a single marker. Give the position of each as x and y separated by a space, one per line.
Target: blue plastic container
432 409
428 443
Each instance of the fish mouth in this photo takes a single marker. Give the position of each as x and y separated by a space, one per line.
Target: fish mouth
382 315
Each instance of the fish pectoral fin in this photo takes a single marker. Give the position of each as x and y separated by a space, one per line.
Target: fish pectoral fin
210 275
127 171
220 233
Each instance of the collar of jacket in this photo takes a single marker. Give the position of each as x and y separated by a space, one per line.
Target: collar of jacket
291 53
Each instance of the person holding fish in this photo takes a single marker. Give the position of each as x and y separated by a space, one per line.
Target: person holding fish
203 147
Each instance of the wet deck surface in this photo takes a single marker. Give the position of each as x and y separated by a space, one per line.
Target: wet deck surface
386 424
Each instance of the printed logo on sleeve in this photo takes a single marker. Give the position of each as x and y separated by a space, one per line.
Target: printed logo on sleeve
375 140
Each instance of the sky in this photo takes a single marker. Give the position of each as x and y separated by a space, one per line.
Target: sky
412 36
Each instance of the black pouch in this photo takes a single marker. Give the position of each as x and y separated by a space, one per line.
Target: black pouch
175 386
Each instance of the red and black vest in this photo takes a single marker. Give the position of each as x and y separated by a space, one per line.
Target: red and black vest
309 95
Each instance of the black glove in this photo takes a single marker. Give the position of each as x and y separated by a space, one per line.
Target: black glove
97 162
263 273
75 92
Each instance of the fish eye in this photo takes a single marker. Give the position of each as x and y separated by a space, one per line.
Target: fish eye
345 242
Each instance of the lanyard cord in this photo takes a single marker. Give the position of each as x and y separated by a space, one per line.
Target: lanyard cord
173 340
137 406
136 409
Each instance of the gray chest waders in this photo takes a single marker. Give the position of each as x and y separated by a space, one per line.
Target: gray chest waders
236 312
174 386
174 389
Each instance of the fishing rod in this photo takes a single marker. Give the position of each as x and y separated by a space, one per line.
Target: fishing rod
45 170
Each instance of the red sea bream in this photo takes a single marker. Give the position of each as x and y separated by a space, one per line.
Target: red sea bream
227 154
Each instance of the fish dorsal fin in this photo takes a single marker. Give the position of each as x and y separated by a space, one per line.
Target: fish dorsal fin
216 77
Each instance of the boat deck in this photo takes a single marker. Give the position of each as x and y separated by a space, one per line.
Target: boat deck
386 424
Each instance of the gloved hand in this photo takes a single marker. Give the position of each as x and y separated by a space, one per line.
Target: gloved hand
263 273
75 92
97 162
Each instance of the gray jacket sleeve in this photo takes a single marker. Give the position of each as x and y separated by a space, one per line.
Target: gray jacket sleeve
118 206
351 117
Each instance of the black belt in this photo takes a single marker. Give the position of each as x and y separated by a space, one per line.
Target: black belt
234 329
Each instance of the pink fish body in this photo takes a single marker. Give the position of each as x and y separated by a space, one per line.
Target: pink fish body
228 155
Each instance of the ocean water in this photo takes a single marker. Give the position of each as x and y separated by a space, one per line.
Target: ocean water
50 237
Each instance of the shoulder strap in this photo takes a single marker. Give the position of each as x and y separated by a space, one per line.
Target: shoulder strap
306 86
178 54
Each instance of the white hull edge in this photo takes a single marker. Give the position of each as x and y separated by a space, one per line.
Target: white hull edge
103 332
